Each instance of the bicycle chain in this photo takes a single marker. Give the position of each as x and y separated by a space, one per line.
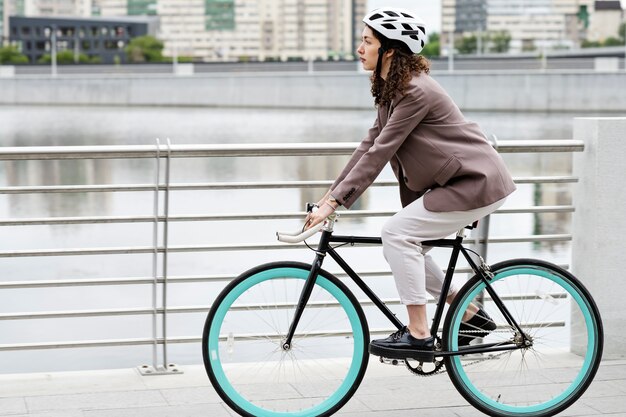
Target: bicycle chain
439 365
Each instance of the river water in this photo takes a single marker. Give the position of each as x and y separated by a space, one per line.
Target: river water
42 126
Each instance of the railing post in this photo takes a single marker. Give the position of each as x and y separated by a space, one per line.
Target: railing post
599 225
166 367
166 214
155 253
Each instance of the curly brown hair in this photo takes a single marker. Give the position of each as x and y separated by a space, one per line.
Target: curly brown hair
404 64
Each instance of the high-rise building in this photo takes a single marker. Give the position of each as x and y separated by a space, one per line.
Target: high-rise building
42 8
2 22
9 8
227 30
532 24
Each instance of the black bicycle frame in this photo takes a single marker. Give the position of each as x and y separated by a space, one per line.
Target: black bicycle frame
324 248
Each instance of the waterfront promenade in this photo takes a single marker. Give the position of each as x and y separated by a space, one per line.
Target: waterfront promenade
386 391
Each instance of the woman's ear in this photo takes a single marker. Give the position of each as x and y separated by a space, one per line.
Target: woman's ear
389 53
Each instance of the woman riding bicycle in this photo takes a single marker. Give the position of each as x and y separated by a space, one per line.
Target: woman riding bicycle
449 175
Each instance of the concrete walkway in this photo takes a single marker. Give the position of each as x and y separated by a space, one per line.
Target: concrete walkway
386 391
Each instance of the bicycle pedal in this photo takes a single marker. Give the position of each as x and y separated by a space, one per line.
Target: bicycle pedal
394 362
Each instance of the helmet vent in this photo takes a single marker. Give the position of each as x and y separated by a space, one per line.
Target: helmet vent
414 37
376 16
407 26
388 26
390 13
407 15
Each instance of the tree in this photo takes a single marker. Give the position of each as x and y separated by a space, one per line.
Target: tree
500 41
65 58
432 47
622 32
612 42
145 49
468 45
590 44
10 55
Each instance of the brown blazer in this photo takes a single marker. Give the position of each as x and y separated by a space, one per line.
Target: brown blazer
433 152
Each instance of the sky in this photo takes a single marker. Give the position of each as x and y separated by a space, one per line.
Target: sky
428 10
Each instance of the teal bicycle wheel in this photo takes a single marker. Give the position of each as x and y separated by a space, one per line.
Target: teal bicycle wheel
561 323
243 344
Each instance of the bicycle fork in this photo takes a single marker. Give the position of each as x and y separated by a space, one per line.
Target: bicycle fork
309 284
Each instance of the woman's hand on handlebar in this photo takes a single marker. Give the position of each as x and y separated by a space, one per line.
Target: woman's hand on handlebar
318 216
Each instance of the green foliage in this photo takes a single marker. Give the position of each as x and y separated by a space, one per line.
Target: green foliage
467 45
66 58
144 49
10 55
622 32
432 47
612 42
500 41
180 59
583 15
590 44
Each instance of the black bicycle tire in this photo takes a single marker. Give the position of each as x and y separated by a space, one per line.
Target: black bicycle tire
273 265
580 390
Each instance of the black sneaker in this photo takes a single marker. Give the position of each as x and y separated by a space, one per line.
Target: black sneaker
480 321
401 345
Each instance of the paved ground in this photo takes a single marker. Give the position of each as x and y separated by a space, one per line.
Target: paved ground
386 391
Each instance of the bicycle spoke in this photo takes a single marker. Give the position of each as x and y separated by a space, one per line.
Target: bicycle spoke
542 300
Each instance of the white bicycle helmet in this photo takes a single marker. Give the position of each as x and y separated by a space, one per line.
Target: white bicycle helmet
398 24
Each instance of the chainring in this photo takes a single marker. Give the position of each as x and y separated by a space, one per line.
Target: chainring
426 368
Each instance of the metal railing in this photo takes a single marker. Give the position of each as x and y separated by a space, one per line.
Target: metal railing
161 216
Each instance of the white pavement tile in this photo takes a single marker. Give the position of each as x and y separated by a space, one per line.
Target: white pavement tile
608 405
105 400
15 405
57 383
64 413
197 410
191 395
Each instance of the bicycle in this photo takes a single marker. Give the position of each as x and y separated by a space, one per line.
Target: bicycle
522 368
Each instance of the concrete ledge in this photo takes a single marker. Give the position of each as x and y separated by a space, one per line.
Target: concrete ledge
478 90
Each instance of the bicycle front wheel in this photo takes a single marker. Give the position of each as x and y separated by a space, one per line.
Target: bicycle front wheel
246 329
551 365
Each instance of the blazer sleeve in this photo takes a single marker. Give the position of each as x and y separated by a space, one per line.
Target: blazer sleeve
358 153
409 111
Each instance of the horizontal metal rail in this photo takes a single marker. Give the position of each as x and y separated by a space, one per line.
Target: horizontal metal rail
243 150
239 217
563 179
8 285
237 247
196 339
37 315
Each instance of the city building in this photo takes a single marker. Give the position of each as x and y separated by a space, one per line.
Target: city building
255 30
36 8
532 24
606 20
8 8
102 38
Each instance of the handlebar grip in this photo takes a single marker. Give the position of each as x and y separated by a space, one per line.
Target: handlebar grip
298 236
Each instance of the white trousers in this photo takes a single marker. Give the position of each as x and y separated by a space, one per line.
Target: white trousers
414 270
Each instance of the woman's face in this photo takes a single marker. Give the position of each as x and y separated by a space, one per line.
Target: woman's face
368 49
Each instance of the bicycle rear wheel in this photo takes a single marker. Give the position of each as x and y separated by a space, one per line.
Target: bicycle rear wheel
244 334
564 328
